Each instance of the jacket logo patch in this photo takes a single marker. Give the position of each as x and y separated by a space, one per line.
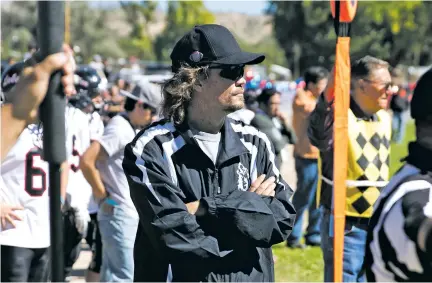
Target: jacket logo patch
243 178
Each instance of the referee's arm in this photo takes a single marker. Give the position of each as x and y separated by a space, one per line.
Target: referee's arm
417 208
320 129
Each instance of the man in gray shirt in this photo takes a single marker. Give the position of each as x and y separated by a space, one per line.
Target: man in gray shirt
102 167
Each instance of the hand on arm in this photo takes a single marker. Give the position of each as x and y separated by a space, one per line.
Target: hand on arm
260 186
8 215
196 208
264 188
168 221
263 215
267 209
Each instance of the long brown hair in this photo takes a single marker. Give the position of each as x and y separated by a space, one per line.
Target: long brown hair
178 90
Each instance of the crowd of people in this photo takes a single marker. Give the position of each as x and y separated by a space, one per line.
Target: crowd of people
180 180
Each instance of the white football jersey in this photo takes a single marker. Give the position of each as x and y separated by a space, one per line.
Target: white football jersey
25 183
96 126
25 180
77 142
96 131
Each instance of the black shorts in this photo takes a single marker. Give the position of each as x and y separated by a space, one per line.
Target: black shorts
93 239
25 264
71 241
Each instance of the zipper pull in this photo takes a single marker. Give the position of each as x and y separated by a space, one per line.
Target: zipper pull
217 181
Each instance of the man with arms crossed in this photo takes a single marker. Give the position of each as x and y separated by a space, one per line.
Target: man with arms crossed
210 198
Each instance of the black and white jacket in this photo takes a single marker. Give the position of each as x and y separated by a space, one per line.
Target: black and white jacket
399 243
166 168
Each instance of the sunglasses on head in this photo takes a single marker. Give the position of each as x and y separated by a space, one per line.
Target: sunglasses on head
231 72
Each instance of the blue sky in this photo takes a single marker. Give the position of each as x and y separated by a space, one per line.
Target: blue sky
253 7
249 7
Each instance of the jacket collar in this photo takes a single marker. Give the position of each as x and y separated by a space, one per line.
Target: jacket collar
359 113
230 145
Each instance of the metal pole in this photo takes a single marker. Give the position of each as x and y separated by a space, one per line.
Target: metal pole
67 22
51 27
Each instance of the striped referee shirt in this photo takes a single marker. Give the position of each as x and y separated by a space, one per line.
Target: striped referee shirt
399 236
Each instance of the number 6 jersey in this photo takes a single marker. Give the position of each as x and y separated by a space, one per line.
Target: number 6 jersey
25 183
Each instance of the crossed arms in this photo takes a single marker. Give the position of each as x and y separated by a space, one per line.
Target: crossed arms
260 217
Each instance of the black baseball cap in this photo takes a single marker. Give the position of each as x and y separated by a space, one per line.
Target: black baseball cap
11 76
421 103
211 44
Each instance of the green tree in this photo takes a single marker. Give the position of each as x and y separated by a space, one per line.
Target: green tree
89 31
269 47
17 14
16 43
181 16
407 25
139 15
18 21
303 30
395 31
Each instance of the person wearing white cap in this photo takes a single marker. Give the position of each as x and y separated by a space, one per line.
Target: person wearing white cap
117 216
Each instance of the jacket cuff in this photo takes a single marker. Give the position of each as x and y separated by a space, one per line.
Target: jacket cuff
210 203
424 235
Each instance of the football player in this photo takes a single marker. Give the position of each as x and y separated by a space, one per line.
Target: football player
25 229
87 84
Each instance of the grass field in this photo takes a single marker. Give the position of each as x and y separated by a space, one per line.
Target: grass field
307 265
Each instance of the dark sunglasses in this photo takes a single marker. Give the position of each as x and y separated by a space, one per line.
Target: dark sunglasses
152 109
230 72
387 86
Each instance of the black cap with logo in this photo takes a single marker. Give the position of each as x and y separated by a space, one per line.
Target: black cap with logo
11 75
211 44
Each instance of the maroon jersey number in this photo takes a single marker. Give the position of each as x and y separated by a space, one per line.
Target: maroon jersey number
35 174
